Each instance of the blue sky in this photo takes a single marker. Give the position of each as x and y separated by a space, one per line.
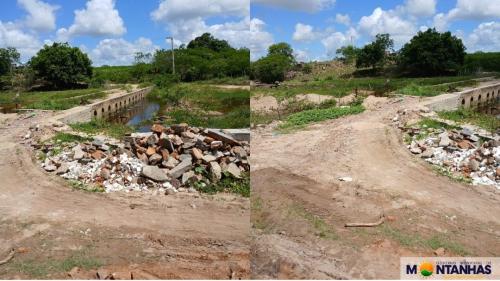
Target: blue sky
316 28
112 31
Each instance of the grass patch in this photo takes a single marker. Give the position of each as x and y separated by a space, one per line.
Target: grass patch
53 100
100 126
414 89
323 229
227 184
316 115
205 106
339 87
485 121
66 138
38 269
85 187
454 176
416 241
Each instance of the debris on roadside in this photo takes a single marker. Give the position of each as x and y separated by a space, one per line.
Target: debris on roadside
168 159
464 152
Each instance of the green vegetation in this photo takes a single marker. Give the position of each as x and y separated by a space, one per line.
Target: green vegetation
462 116
53 100
481 61
431 53
67 138
316 115
453 176
275 65
322 229
375 54
433 90
86 187
99 126
348 54
8 58
205 106
38 269
414 240
61 66
227 184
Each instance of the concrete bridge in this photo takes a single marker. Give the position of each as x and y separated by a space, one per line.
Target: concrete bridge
472 98
104 108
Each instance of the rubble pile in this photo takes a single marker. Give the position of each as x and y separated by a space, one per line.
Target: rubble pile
462 152
169 159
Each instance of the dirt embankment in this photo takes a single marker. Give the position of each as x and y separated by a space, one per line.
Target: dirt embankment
300 207
53 227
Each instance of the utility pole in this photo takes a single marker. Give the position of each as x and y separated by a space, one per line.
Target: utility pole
173 56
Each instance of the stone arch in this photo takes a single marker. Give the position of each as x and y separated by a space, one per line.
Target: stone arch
109 107
102 110
95 113
479 99
463 102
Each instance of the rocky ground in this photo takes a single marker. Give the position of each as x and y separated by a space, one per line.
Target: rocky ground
164 161
357 169
469 154
60 232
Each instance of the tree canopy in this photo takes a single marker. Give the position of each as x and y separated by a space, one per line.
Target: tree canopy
348 54
275 65
375 54
8 57
432 53
61 66
208 41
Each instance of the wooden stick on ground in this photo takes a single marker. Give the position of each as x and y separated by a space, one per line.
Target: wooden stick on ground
368 224
9 257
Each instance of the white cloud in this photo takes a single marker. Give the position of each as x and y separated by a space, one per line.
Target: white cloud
99 18
12 35
468 10
119 51
305 33
485 37
381 21
337 39
299 5
179 10
260 39
343 19
41 16
186 19
302 55
420 8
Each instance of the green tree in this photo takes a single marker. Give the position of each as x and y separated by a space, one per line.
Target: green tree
348 54
208 41
8 57
283 49
271 68
376 53
432 53
61 66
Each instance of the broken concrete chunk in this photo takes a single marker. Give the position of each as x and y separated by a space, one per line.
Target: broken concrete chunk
218 135
154 173
180 169
234 170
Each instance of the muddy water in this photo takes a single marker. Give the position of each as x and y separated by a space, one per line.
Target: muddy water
139 115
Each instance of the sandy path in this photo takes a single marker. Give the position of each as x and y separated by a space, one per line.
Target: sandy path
386 178
27 193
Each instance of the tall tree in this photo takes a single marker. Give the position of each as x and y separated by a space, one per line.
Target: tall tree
61 65
376 53
432 53
348 54
8 57
208 41
283 49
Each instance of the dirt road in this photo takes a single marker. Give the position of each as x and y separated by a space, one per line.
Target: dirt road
299 207
54 227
